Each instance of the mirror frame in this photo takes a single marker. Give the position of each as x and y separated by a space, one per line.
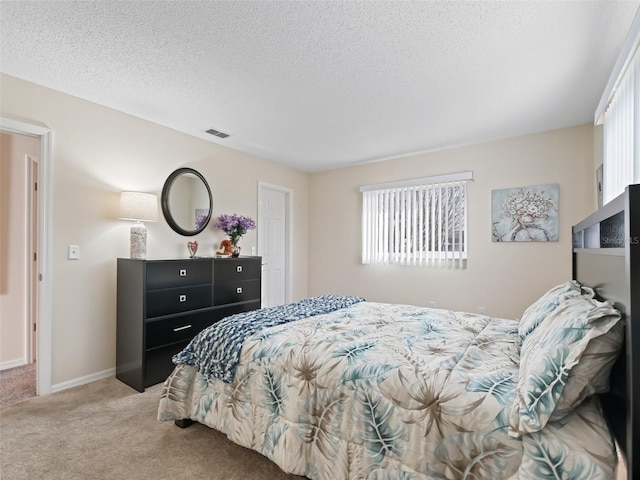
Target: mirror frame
166 210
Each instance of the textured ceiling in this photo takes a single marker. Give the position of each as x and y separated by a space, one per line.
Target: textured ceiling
318 85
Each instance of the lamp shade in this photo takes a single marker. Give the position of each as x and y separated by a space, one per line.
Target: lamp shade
138 206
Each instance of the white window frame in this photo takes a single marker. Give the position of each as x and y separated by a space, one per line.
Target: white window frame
408 222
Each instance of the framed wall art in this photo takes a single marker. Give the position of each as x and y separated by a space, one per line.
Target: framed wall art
525 214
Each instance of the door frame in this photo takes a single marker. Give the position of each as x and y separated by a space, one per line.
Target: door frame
45 235
33 165
288 232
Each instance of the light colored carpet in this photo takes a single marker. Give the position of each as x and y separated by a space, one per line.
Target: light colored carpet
17 384
106 430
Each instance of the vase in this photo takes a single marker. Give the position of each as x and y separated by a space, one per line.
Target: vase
235 249
193 248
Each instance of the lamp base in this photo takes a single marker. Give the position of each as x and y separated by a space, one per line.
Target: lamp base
138 241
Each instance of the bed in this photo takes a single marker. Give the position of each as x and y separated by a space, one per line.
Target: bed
339 387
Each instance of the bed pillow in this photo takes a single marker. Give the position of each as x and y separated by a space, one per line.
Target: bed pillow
543 306
567 358
591 374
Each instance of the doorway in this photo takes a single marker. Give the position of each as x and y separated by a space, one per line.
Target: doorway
37 237
274 243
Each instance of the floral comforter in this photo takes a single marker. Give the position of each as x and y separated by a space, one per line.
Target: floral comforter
379 391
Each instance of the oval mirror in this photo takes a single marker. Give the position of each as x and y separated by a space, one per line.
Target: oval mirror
186 202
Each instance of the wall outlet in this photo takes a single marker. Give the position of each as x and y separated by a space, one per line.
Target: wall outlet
432 304
73 252
482 310
253 250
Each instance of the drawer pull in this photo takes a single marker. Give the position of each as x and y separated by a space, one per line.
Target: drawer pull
183 272
239 268
239 290
177 329
183 298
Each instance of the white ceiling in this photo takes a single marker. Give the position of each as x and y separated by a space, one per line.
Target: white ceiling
322 84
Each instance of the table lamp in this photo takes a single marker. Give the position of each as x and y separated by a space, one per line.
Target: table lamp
139 207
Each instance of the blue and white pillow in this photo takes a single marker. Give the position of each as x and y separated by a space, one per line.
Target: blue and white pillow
545 305
564 360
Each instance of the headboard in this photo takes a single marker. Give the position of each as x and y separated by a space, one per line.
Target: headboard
606 257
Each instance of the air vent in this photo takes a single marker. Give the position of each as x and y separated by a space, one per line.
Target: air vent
217 133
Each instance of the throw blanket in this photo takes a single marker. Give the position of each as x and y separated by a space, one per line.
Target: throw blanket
215 351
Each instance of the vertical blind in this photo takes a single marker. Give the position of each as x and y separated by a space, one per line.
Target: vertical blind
418 222
621 132
619 110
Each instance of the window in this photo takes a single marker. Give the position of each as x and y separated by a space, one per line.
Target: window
416 222
619 110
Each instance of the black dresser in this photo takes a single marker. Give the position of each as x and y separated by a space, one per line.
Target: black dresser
163 304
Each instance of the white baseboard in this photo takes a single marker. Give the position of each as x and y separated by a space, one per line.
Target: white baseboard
13 364
111 372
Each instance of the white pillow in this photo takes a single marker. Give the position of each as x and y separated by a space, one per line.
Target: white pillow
547 303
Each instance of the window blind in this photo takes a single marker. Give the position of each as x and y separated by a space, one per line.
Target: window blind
416 222
619 111
621 132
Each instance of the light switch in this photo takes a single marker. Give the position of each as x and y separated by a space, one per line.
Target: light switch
73 252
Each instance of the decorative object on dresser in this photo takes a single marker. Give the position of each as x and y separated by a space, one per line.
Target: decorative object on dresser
193 248
163 304
235 226
186 201
226 248
139 207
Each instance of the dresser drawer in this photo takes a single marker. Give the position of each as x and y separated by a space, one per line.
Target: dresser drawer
227 311
170 274
176 300
158 365
235 269
179 328
235 291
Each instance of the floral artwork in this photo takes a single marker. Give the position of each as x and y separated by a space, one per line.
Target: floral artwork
525 214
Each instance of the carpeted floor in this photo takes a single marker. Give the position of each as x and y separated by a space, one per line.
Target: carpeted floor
106 430
17 384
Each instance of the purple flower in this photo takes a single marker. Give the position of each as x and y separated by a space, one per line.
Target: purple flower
235 225
200 221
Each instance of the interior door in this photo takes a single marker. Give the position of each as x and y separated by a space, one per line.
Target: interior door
273 243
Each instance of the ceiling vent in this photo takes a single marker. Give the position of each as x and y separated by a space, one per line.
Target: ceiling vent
217 133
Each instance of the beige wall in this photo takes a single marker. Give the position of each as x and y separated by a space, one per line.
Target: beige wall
98 152
14 246
502 277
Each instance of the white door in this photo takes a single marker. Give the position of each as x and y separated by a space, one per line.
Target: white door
273 243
